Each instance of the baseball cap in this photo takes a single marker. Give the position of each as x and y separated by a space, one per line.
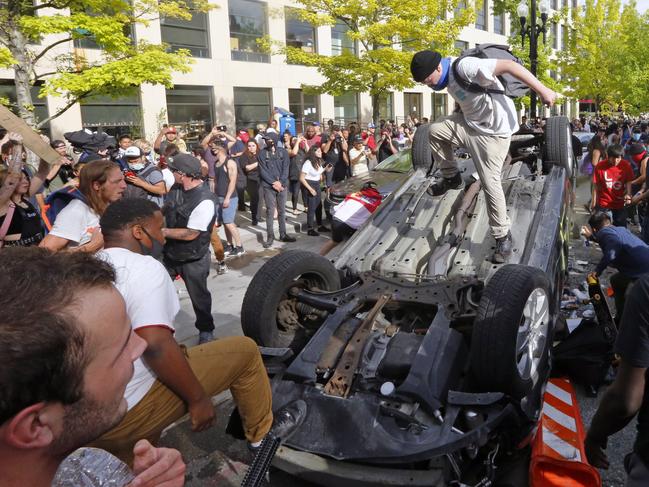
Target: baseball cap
423 64
358 139
171 130
132 152
186 164
371 125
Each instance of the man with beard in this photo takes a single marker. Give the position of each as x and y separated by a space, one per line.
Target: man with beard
170 380
66 363
190 212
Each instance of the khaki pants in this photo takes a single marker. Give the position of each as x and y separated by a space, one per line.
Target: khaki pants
229 363
488 153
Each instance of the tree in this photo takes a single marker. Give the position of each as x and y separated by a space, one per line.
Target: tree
605 58
30 33
388 32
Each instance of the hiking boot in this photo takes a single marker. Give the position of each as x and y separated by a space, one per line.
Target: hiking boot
503 249
287 238
205 336
313 233
268 243
443 185
221 268
227 250
288 419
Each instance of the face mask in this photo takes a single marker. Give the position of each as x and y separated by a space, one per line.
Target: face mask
270 144
636 137
155 251
138 166
443 81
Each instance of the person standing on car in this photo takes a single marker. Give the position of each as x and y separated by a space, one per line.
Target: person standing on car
628 394
483 126
190 212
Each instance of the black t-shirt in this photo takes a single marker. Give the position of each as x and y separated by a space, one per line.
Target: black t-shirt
334 156
633 346
25 222
385 151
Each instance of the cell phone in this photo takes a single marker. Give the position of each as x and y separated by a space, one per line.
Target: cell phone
329 164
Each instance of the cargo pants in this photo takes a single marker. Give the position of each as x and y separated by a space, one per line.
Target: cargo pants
488 153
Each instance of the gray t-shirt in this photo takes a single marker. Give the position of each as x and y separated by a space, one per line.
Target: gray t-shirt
489 114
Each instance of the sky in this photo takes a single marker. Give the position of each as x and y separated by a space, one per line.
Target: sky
642 5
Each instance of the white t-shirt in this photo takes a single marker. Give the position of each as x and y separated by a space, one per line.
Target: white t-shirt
75 223
151 300
312 174
488 113
168 178
201 216
361 166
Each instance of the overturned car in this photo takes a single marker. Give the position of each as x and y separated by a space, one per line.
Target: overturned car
420 360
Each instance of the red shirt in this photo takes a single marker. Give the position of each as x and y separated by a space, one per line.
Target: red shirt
610 183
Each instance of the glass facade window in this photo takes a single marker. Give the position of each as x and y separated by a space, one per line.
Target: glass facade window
192 35
499 24
113 115
574 4
304 108
8 92
299 34
340 41
191 109
252 106
555 36
386 104
481 15
248 22
461 5
346 108
555 4
412 105
564 36
439 105
461 45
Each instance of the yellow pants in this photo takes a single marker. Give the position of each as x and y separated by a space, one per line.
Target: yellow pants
228 363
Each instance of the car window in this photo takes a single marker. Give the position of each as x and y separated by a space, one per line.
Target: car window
399 162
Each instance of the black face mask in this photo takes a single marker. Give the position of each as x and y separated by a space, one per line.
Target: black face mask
270 144
155 251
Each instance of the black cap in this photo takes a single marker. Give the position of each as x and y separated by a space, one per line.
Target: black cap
186 164
423 64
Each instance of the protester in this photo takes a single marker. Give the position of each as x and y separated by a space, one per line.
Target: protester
190 212
359 158
273 168
351 214
143 178
20 222
311 180
483 126
66 363
612 179
225 173
76 227
334 149
296 154
168 135
621 249
249 165
628 394
170 381
60 174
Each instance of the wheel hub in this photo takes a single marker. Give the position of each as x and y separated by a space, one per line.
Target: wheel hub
532 334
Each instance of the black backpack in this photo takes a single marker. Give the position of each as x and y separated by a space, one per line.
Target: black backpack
514 88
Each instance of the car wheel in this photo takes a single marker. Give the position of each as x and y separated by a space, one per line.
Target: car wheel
269 315
558 145
510 342
421 153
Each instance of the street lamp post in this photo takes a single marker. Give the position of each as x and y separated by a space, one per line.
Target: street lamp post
532 31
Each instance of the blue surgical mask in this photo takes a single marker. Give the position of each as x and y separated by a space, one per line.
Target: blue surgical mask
636 137
138 166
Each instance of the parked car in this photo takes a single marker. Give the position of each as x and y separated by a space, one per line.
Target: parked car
420 360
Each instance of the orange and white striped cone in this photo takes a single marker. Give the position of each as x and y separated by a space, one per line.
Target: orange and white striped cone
558 456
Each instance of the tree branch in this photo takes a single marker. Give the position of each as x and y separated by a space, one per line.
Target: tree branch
42 75
48 48
42 123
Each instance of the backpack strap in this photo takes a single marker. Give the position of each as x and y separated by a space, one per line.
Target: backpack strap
467 85
5 224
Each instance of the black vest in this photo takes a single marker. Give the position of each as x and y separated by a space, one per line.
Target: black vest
177 208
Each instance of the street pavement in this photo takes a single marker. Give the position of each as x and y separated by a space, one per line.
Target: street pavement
213 457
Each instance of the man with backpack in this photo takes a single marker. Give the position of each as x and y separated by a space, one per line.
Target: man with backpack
484 124
143 178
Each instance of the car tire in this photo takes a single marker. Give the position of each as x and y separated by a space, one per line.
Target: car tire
421 153
514 311
269 315
558 145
